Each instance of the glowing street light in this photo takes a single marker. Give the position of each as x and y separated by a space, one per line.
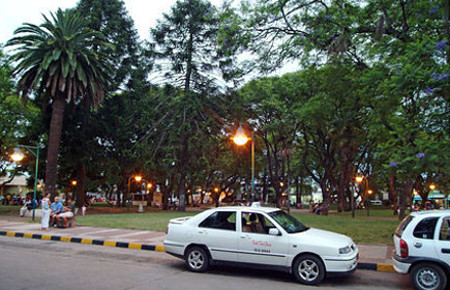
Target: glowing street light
74 182
432 186
360 179
241 139
18 156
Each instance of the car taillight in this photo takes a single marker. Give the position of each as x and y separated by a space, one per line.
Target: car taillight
167 230
403 249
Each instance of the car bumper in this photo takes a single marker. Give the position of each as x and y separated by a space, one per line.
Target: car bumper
341 266
174 248
400 265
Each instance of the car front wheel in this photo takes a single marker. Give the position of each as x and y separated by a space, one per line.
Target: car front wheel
427 276
309 269
196 259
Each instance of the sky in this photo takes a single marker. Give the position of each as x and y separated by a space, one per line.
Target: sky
14 13
145 13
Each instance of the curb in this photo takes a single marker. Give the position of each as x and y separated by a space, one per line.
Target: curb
68 239
381 267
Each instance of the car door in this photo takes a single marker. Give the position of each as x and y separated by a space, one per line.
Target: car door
424 238
442 243
218 233
256 245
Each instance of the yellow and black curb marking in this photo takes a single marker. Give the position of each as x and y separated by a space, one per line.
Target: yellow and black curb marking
84 241
376 267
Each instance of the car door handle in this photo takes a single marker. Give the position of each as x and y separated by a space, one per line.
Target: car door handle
202 232
245 237
418 244
445 251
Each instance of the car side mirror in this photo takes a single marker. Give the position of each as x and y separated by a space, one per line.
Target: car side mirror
274 232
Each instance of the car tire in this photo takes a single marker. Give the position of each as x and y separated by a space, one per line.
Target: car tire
428 276
309 270
197 259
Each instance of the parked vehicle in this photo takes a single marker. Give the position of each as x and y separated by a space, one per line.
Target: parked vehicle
260 237
422 249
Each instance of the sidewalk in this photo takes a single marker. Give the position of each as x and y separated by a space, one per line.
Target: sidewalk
371 256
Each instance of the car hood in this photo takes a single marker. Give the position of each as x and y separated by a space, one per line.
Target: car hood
323 237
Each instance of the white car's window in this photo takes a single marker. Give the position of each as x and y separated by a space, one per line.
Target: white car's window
445 230
425 228
255 223
223 220
288 222
402 226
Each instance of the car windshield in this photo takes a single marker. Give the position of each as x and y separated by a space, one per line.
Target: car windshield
288 222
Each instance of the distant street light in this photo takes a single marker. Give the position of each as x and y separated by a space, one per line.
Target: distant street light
360 179
74 182
241 139
18 156
432 186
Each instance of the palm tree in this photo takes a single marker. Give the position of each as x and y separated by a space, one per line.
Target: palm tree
58 59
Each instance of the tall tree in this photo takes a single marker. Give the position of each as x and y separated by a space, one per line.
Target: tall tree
130 69
185 40
57 58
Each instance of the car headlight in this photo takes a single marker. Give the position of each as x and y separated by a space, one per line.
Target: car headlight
346 250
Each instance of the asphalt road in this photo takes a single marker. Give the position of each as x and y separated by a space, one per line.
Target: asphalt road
37 264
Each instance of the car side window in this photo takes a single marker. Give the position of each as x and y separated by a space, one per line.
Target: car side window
222 220
444 234
425 228
253 223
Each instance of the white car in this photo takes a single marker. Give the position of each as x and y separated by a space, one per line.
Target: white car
422 249
260 237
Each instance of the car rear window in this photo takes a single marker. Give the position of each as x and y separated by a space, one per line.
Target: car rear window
221 220
402 226
425 229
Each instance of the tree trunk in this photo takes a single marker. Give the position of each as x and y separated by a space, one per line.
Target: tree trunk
392 195
183 153
81 177
54 140
403 196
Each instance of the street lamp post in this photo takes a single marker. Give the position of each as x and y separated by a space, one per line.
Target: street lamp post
18 156
241 139
137 178
360 179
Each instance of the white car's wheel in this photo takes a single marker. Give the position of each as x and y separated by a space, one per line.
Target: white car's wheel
309 269
196 259
427 276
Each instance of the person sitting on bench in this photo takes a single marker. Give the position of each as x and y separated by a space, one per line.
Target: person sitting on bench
56 209
68 213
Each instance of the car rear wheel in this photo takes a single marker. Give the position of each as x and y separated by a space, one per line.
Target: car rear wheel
197 259
427 276
309 269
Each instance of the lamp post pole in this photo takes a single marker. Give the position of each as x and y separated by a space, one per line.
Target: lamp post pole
253 166
19 157
241 139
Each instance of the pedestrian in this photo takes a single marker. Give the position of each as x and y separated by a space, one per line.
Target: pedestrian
45 203
57 208
68 213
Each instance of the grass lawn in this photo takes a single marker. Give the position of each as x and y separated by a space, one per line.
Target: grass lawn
9 209
156 221
373 212
361 230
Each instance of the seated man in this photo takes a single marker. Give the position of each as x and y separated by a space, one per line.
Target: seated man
68 213
56 209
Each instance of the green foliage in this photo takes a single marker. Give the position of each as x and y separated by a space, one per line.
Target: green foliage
57 57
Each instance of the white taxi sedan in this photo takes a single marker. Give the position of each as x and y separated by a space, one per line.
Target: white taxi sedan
260 237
